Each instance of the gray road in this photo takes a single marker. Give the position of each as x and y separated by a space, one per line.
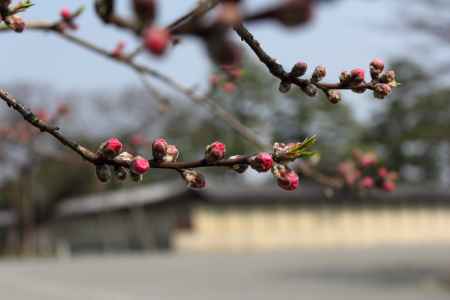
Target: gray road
380 273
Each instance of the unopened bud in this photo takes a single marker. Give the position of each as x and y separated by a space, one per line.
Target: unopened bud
310 90
65 14
172 154
139 165
110 148
381 90
103 173
357 75
159 148
299 69
284 87
319 73
262 162
389 78
334 96
215 151
389 186
287 179
345 78
376 68
193 179
156 40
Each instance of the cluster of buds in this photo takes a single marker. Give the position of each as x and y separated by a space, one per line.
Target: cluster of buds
381 83
68 18
365 171
113 161
8 14
125 163
164 152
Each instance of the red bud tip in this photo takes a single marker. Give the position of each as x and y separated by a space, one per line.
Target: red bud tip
65 13
114 145
262 162
357 75
159 148
156 40
215 151
140 165
288 181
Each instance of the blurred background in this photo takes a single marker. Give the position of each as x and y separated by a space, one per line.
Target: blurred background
63 234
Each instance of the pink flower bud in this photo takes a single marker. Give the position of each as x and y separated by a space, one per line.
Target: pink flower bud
288 180
103 173
42 115
376 68
389 78
319 73
215 151
381 90
367 182
262 162
139 165
299 69
383 172
357 75
159 148
389 186
172 154
111 148
65 14
193 179
156 40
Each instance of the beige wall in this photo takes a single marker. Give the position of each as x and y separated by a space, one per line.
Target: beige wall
238 229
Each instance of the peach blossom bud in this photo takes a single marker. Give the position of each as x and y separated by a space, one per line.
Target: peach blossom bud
381 90
383 172
110 148
262 162
159 148
334 96
215 151
389 186
139 165
299 69
193 179
16 23
172 154
156 40
376 68
357 75
319 73
65 14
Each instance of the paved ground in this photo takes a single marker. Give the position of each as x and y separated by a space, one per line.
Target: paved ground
380 273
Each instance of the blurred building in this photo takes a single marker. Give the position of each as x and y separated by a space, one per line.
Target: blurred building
167 216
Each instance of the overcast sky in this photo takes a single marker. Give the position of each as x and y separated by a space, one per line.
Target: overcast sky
343 35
